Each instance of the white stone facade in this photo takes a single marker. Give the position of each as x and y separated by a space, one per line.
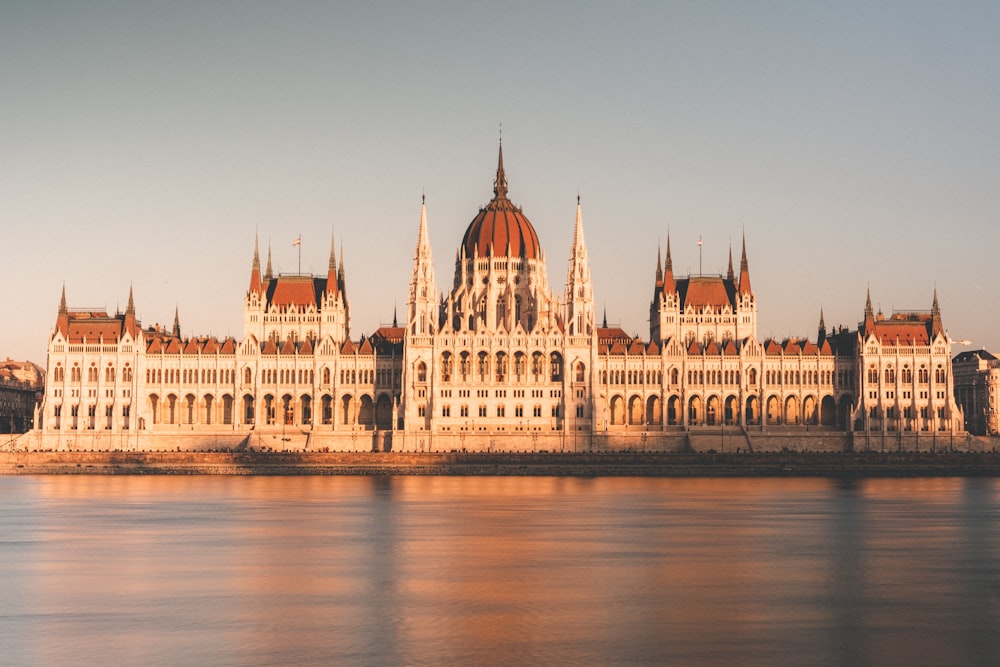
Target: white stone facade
499 362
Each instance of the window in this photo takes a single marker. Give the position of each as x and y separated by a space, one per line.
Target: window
421 372
464 411
518 410
579 411
500 411
580 371
482 410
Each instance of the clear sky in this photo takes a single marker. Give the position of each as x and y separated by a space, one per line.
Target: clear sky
855 143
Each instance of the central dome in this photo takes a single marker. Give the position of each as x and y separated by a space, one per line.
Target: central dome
500 229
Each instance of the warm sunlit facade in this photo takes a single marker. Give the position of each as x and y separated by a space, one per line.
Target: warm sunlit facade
500 362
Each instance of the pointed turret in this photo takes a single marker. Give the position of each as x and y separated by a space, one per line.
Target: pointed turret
422 304
729 274
177 323
659 267
331 273
268 274
579 290
744 270
936 326
669 285
130 323
821 332
869 313
62 321
255 286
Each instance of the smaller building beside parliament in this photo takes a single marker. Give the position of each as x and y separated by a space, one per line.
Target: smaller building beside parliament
499 363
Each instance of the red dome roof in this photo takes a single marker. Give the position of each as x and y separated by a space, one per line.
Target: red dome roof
501 225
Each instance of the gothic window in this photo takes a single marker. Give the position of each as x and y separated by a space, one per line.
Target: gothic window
580 371
501 367
555 361
92 373
519 364
466 366
517 308
421 371
890 375
60 373
939 375
537 365
674 377
872 375
907 375
484 366
923 376
446 367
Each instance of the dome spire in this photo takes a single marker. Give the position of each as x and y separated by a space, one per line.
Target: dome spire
500 184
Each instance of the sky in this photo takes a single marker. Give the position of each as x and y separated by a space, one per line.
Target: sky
144 145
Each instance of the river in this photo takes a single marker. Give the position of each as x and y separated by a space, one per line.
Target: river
169 570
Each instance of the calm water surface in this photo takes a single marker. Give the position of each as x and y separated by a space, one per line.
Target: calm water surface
456 570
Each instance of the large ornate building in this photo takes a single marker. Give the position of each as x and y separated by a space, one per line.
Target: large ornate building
501 362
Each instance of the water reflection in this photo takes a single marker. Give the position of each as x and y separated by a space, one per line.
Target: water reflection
497 570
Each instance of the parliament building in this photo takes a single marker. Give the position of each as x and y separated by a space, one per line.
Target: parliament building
500 362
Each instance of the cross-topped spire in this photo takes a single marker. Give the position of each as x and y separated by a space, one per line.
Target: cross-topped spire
500 184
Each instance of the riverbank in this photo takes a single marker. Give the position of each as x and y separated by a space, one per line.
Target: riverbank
854 465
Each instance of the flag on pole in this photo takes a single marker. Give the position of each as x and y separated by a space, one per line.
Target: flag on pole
699 240
298 241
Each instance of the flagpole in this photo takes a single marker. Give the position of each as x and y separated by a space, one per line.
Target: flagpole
699 255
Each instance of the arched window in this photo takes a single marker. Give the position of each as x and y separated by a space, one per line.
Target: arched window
907 375
92 373
923 377
446 367
939 375
484 366
109 373
247 375
580 371
555 361
466 365
326 376
421 372
60 373
890 375
501 367
872 374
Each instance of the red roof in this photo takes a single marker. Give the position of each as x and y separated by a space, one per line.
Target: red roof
701 291
293 291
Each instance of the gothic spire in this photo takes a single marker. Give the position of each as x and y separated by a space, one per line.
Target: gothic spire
177 322
130 308
500 184
730 275
255 266
936 325
659 267
669 285
744 269
869 313
331 273
62 301
268 274
821 333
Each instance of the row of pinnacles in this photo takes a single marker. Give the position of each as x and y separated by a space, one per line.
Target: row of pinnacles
499 363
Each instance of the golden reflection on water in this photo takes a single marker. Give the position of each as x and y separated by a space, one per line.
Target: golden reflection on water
498 570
